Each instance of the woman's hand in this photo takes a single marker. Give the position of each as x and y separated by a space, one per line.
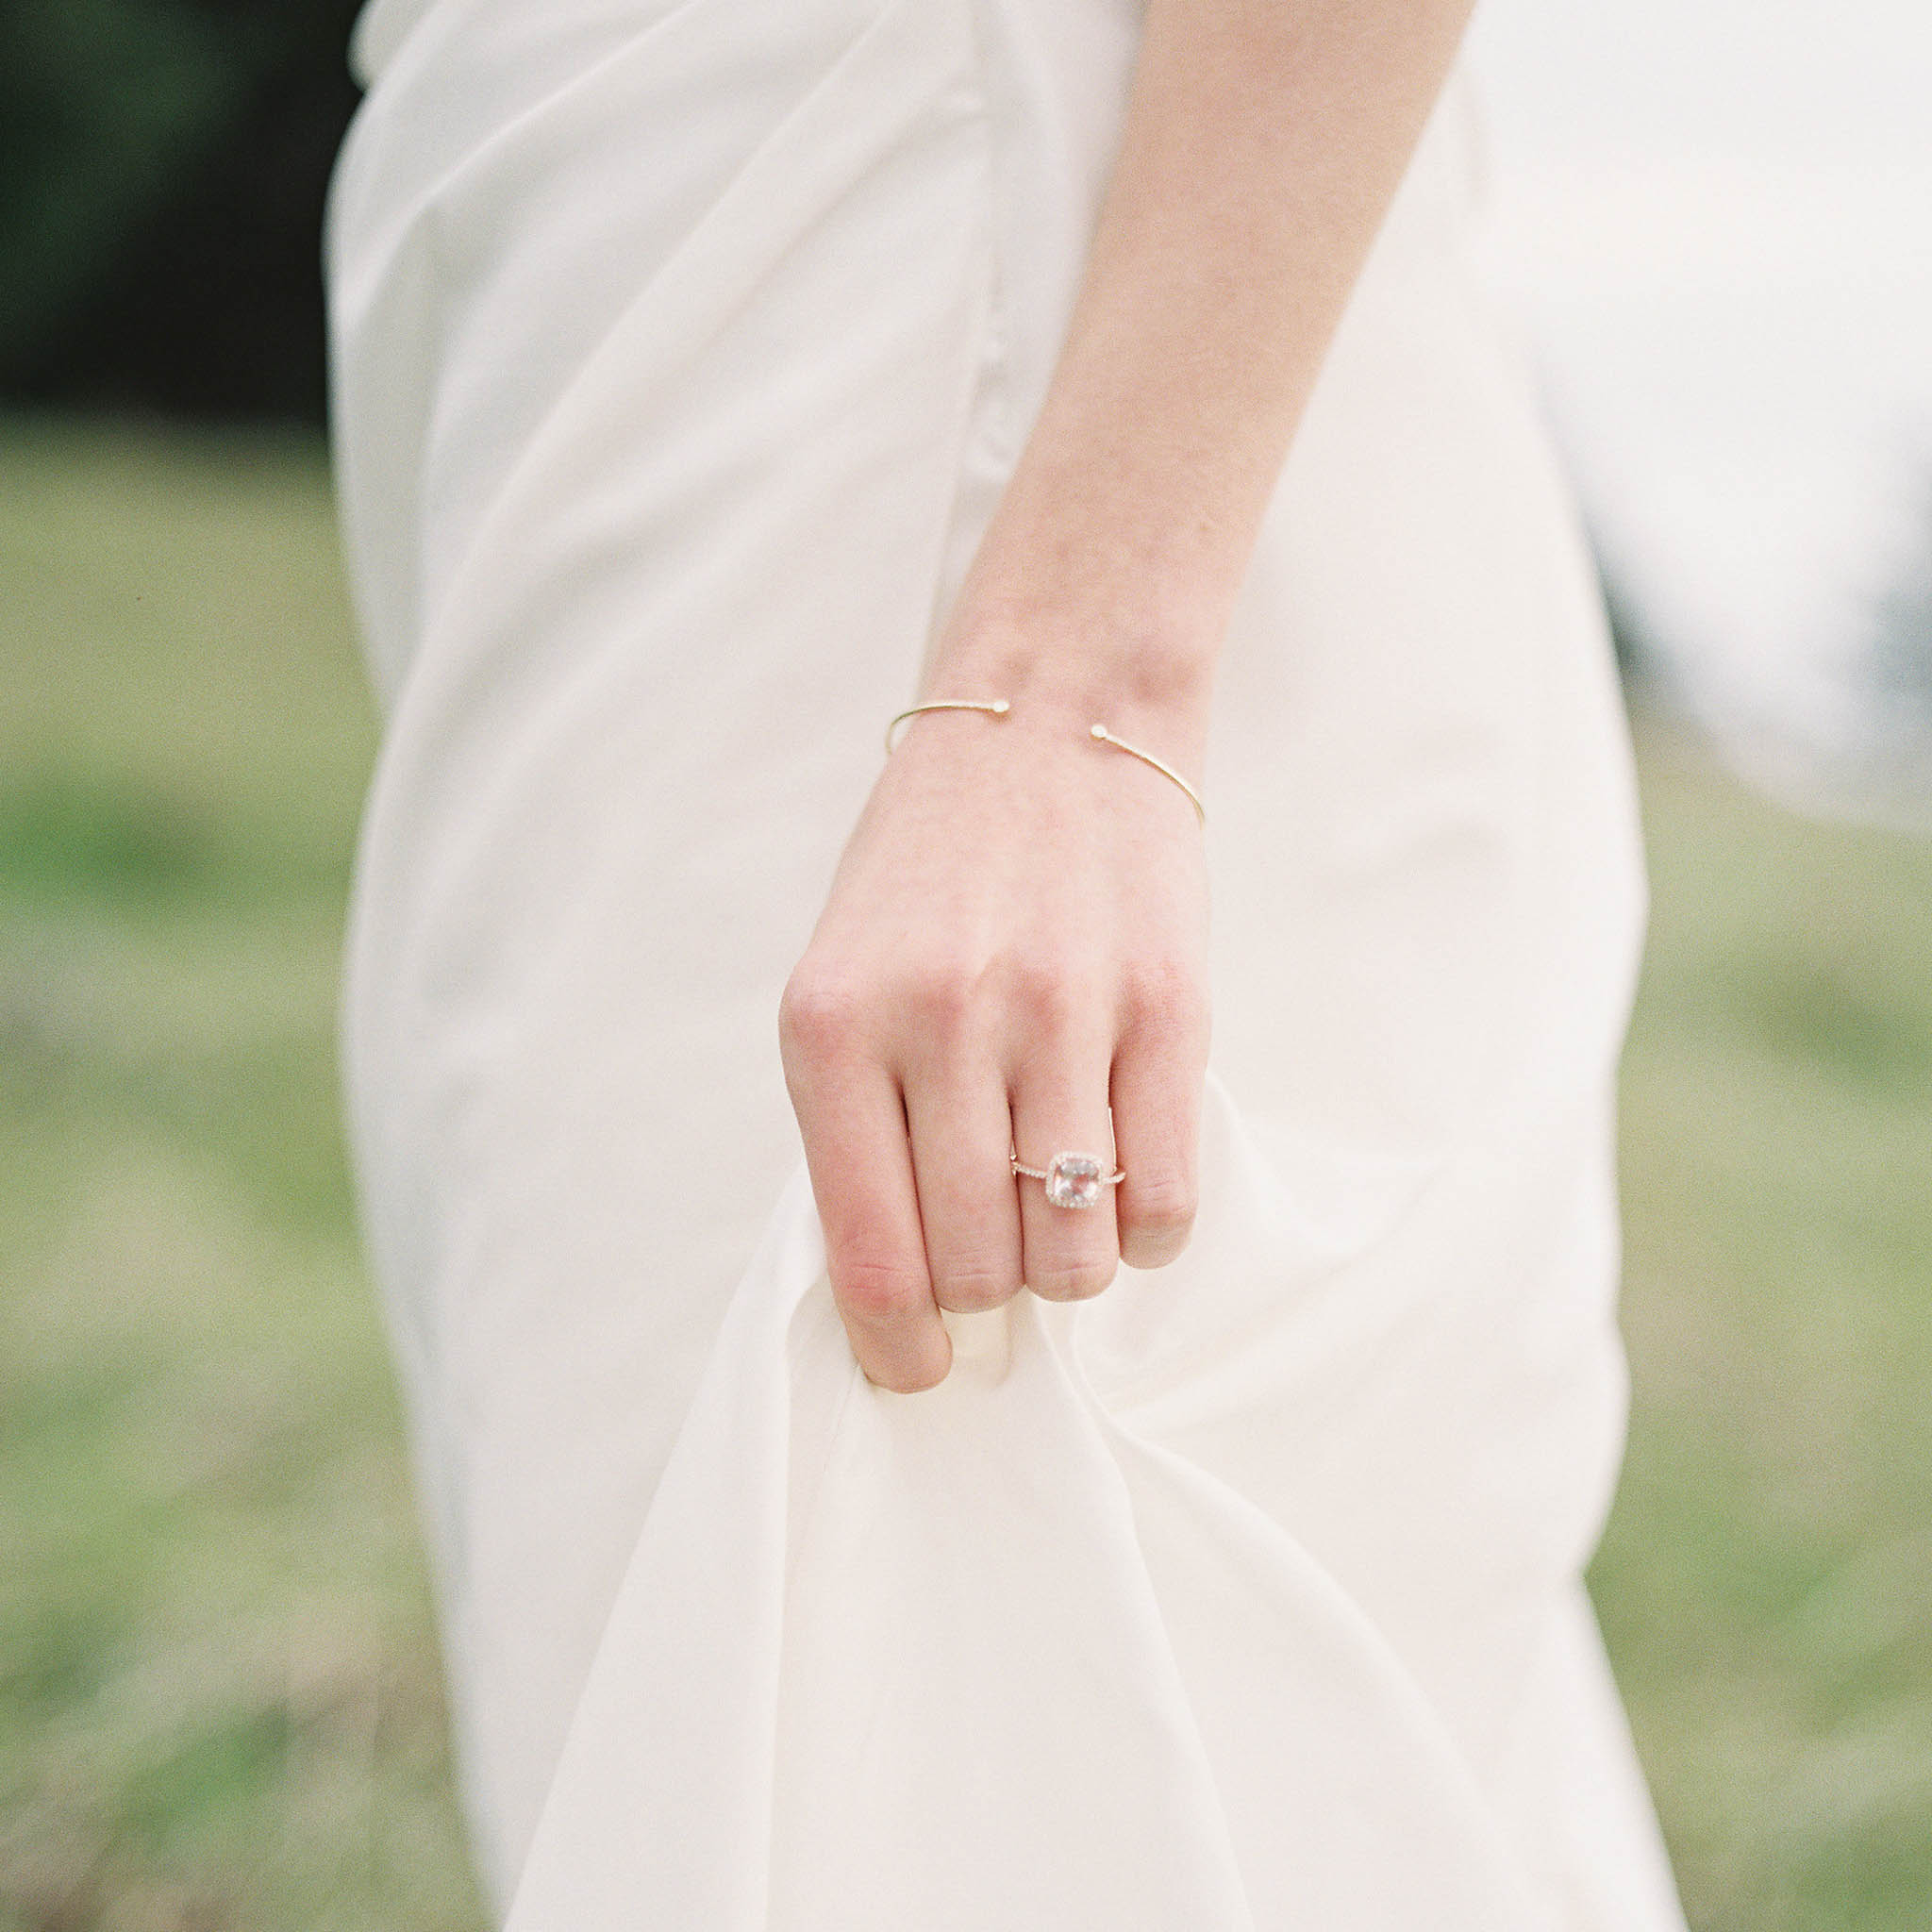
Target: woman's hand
1017 935
1016 941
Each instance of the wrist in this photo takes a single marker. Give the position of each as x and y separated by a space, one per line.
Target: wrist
1086 672
1061 688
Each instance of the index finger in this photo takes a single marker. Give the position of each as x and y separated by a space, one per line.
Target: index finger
854 1122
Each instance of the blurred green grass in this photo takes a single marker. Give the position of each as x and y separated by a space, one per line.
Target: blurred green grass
1766 1582
219 1704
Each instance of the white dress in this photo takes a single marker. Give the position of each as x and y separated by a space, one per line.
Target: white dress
682 348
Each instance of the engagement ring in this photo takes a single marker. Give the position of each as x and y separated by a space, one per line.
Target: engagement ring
1073 1180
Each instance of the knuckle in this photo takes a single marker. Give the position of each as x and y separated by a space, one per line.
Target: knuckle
1161 1205
970 1288
875 1294
1032 983
946 993
818 1017
1165 994
1042 992
1077 1280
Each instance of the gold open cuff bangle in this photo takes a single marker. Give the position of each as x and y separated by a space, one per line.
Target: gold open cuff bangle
1147 758
997 708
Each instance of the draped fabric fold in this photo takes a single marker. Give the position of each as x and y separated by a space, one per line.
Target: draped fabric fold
681 350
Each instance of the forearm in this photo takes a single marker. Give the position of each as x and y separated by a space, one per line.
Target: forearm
1263 142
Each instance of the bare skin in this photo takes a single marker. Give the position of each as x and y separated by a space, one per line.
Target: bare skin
1016 938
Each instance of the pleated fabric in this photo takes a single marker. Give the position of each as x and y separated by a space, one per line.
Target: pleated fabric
681 350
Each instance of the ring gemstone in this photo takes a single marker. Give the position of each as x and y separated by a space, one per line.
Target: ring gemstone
1074 1180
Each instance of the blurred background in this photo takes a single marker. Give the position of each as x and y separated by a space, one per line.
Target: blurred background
1710 227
